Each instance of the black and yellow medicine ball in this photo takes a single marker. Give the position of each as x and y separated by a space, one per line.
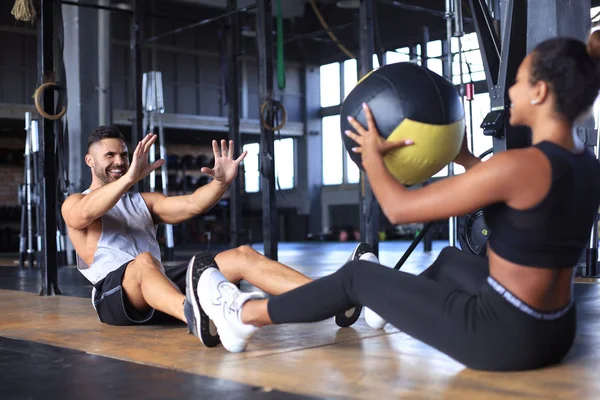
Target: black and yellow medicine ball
409 102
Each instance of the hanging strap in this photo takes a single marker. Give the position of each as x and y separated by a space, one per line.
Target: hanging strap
280 61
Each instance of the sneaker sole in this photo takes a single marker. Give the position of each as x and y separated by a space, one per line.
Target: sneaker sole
205 329
350 316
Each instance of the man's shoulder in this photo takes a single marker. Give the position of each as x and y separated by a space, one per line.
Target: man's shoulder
74 197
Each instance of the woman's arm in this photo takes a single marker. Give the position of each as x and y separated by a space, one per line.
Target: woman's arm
483 184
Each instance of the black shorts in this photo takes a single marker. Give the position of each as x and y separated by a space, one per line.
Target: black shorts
114 308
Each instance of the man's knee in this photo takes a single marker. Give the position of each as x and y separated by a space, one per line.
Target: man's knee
243 251
246 250
146 260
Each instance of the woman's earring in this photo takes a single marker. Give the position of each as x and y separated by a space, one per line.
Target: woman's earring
534 102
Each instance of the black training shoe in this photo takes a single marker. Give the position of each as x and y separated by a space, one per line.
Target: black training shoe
350 316
198 321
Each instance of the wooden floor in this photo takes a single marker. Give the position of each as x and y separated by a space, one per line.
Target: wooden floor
316 359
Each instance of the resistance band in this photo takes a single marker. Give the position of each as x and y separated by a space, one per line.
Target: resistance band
280 64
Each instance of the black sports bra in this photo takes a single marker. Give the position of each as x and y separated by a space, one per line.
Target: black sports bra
553 233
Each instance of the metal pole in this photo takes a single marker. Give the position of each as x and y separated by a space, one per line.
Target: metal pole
449 15
104 46
458 19
369 207
36 193
135 49
470 95
233 99
48 201
29 182
264 42
169 239
152 157
591 256
26 237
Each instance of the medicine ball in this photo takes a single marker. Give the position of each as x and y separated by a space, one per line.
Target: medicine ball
409 102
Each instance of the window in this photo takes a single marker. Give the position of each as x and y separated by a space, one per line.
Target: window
330 84
251 169
352 171
333 151
434 49
350 76
472 63
400 55
284 166
375 61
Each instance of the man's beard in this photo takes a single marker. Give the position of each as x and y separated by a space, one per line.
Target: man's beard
105 176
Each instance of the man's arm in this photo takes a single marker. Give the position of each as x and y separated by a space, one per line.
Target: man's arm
177 209
80 210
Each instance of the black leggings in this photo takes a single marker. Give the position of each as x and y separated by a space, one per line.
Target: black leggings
452 306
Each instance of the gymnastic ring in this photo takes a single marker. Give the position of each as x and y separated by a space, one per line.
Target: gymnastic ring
283 115
38 105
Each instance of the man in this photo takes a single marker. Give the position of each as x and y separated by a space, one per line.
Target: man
113 232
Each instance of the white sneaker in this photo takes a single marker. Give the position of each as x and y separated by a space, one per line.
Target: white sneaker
350 316
371 318
223 301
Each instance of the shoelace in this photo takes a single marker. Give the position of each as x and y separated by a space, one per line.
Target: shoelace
229 294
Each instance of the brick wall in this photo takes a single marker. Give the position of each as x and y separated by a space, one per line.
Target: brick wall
10 178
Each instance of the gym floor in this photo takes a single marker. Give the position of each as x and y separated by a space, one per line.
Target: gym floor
55 347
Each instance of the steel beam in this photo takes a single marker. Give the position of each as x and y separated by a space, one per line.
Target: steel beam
101 6
104 46
229 13
412 7
233 102
501 59
136 78
369 207
489 41
264 44
46 73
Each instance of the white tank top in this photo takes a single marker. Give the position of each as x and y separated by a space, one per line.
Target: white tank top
127 231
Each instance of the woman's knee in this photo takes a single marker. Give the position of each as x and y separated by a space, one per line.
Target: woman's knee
351 273
355 268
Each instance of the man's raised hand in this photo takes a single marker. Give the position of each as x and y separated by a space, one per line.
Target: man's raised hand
140 166
226 168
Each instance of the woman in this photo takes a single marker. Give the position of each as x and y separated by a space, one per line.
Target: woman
513 311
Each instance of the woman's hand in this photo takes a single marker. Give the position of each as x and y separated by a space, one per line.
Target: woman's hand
370 143
465 158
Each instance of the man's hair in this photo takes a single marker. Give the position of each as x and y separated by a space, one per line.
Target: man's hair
104 132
